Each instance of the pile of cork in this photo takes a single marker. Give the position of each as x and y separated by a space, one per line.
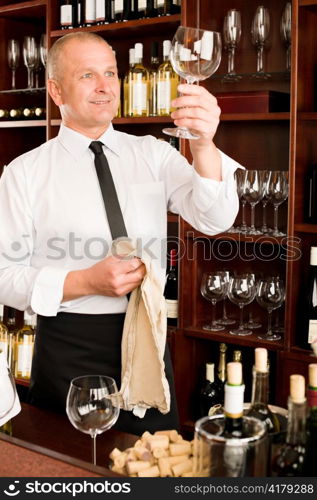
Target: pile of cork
162 454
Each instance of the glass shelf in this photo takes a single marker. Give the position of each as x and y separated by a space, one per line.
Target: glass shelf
274 76
39 90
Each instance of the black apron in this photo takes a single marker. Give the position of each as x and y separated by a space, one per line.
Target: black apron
70 345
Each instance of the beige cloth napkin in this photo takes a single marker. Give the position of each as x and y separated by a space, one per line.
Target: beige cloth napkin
143 381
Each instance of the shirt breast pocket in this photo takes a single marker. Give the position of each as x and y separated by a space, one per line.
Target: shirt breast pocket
149 205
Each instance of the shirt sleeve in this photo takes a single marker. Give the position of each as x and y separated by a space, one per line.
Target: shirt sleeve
210 206
23 286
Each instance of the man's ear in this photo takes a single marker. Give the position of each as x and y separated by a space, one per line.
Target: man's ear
54 91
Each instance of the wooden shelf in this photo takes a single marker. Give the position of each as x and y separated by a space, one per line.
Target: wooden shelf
307 116
23 123
283 116
33 9
136 28
307 3
22 381
225 336
306 228
129 121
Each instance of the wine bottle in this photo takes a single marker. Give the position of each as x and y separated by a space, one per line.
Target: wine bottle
311 303
233 403
141 8
39 112
290 458
4 114
260 392
209 394
16 114
140 84
67 14
167 82
4 334
89 12
153 79
151 8
118 10
24 346
311 453
100 12
28 112
110 15
160 7
128 87
171 290
221 372
128 13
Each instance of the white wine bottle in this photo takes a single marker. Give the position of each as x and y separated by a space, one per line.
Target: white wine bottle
128 87
167 82
153 74
233 405
140 84
24 346
4 334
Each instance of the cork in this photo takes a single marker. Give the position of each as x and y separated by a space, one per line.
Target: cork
261 359
234 373
312 375
297 388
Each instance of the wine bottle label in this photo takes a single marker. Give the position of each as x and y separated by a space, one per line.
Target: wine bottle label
24 361
139 97
66 15
100 10
164 95
312 331
233 405
172 308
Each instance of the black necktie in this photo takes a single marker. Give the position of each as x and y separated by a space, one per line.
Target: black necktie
108 190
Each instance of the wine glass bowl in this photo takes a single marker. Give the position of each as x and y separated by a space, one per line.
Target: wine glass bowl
231 36
242 291
260 31
30 57
195 55
89 406
13 58
286 32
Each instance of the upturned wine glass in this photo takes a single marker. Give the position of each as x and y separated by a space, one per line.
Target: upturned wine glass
253 192
241 292
195 55
30 57
13 58
89 407
231 36
260 31
7 387
277 194
213 288
270 296
286 32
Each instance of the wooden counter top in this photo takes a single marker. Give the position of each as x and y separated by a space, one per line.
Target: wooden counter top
45 444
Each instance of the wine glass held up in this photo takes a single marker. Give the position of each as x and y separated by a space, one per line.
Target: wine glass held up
195 55
89 407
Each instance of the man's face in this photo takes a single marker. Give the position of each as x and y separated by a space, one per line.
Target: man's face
88 86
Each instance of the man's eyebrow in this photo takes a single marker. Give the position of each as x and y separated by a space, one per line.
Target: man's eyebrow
88 68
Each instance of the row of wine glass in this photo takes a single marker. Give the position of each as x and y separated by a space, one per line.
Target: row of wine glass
34 55
260 33
266 186
241 290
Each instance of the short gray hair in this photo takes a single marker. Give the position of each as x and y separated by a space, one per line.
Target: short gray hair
53 66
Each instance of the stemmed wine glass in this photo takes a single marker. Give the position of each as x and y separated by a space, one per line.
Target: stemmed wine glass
43 49
13 58
286 32
30 57
7 387
260 32
213 288
270 295
37 66
277 194
195 55
241 292
89 406
253 192
225 320
265 174
240 175
231 35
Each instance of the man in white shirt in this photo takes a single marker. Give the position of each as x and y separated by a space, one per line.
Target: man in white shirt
54 233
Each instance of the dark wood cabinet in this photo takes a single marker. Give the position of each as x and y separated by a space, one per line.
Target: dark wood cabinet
281 140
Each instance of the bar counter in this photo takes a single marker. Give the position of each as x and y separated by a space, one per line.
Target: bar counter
45 444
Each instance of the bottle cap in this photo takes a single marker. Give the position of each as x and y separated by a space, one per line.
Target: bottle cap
261 359
166 47
222 347
312 375
297 388
313 256
234 373
210 372
131 56
138 50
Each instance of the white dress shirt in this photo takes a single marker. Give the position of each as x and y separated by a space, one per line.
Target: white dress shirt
52 216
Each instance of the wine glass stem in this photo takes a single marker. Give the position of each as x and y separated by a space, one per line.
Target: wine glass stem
276 218
252 217
244 225
288 58
231 60
13 79
241 317
94 448
214 322
269 322
264 223
224 310
260 59
30 78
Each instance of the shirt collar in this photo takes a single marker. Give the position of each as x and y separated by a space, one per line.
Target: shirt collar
77 144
